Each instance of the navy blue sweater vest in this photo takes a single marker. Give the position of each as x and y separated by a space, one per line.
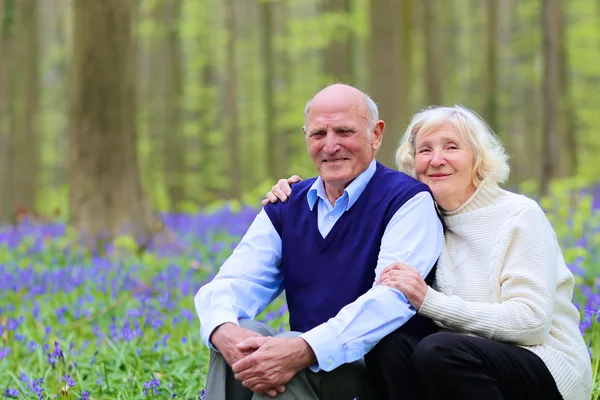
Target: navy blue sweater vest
322 275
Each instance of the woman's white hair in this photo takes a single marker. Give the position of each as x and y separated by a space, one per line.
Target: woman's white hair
491 160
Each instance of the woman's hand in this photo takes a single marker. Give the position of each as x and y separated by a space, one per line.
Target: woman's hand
281 190
407 280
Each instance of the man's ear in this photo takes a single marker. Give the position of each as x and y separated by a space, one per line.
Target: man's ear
377 135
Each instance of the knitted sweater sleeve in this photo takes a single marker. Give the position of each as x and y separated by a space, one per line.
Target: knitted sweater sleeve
524 275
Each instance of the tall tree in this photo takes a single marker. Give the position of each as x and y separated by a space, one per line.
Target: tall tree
403 60
27 143
274 152
105 190
338 54
7 12
433 62
384 85
551 93
173 134
569 117
232 127
490 110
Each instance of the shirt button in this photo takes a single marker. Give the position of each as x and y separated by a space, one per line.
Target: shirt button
330 361
331 218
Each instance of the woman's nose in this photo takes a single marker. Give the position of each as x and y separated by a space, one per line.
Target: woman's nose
437 159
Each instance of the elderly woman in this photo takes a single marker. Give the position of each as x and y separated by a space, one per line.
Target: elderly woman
502 293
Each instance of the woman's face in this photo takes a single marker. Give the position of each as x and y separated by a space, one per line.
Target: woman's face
445 162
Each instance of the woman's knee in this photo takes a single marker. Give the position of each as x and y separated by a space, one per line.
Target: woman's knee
433 349
394 348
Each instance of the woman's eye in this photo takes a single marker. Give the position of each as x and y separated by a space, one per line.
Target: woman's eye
424 151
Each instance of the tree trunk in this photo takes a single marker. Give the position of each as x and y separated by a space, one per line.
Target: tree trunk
384 86
569 125
105 191
433 62
174 151
551 93
490 111
337 55
6 136
27 143
274 170
232 123
404 66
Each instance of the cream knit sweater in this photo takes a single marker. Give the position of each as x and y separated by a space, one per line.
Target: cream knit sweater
502 276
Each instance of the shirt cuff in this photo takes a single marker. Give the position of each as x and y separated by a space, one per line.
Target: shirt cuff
323 340
217 318
329 349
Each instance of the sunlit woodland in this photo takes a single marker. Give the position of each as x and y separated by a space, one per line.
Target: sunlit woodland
137 139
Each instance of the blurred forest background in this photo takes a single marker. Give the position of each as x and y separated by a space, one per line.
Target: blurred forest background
111 110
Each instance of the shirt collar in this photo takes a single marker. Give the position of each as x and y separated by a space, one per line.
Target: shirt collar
353 191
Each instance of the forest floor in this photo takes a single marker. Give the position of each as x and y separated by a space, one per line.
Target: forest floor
123 326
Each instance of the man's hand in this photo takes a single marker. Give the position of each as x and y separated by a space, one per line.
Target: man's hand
226 338
407 280
272 363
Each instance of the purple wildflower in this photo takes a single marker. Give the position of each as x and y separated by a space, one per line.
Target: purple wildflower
4 352
14 393
84 395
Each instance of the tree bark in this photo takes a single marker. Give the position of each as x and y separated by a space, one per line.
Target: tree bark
105 191
569 117
432 54
273 153
6 134
232 123
27 143
174 151
490 113
384 85
338 55
404 66
551 93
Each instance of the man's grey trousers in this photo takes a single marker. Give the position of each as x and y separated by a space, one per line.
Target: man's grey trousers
347 382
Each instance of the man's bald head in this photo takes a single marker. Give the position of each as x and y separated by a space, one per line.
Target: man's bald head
365 105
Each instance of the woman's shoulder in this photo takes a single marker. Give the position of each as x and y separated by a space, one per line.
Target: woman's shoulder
519 203
523 211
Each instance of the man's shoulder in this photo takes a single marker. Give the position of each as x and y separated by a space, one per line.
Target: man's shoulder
395 180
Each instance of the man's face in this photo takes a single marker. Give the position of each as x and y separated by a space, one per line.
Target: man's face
337 138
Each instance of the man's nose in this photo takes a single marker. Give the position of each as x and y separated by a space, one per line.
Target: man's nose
331 143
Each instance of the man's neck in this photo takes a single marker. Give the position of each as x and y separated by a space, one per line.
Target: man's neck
334 192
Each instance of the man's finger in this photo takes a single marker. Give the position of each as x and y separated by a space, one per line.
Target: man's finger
251 343
241 365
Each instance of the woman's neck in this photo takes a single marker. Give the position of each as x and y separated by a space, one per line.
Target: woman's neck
453 202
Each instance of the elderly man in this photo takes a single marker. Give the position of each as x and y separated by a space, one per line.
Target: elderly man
325 246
